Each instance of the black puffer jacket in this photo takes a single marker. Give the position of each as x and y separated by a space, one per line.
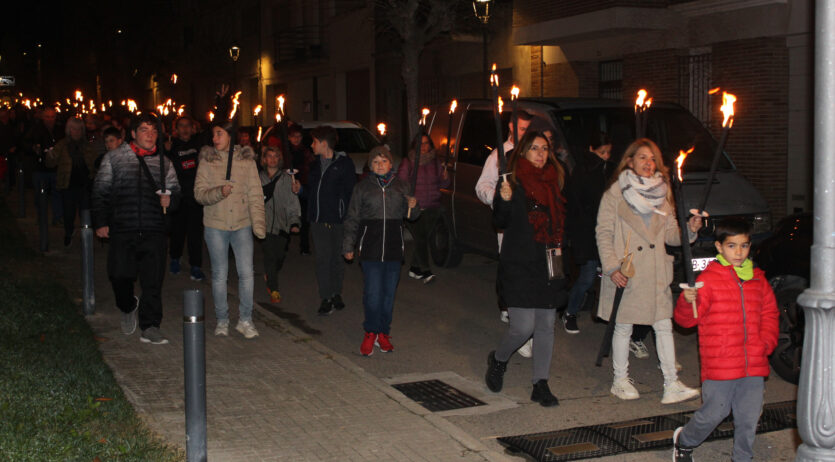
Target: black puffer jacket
523 270
330 190
124 197
374 225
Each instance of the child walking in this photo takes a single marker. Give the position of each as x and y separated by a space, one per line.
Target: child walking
374 231
738 327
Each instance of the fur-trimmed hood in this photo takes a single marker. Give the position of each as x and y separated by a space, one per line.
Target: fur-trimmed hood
209 153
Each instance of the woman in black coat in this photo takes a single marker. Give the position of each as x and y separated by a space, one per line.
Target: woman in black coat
530 208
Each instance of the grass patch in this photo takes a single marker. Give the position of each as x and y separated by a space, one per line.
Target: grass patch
58 399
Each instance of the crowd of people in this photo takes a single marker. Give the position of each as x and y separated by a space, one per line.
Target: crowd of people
151 194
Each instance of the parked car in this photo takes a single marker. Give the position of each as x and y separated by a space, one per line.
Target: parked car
467 225
785 258
354 139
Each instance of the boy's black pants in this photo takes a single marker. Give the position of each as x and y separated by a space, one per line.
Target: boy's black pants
132 256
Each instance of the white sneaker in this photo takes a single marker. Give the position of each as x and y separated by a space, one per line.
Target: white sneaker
678 366
623 389
222 328
247 329
676 392
639 349
526 350
504 316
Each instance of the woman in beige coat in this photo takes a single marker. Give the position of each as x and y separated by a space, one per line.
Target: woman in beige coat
234 210
637 211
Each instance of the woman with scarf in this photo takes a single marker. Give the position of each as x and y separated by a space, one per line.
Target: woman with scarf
75 158
431 177
530 207
374 234
637 217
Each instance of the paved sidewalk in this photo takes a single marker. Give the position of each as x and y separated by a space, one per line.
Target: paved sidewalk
280 397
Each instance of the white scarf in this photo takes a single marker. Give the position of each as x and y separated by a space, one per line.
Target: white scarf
644 195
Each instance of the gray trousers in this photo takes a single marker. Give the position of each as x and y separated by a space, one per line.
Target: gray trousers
719 397
327 250
525 322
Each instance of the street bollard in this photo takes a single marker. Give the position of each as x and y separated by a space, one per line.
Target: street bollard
21 194
88 289
43 217
194 359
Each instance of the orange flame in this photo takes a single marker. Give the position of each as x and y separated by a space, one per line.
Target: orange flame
180 110
159 109
639 102
727 109
452 106
280 100
494 77
235 104
424 112
381 127
713 91
257 110
680 161
514 93
78 95
501 104
174 79
131 105
277 117
258 139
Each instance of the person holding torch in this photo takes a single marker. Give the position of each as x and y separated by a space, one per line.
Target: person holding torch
637 216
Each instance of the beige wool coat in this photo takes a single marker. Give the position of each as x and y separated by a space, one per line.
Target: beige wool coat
647 297
245 204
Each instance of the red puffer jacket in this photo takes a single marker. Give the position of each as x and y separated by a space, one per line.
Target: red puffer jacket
738 323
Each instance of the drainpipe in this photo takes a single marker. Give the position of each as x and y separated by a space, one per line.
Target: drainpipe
816 392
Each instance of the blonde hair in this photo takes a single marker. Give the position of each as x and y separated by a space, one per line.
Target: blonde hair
630 153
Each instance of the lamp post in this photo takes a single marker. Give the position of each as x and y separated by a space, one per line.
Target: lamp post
481 8
234 53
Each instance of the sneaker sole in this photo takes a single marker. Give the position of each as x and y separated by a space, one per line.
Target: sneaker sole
381 348
161 342
415 276
246 336
680 400
624 398
428 279
196 279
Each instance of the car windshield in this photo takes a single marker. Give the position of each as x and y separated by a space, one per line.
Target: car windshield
672 129
349 140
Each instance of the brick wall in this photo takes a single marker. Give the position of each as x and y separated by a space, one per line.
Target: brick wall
756 71
578 78
656 71
527 12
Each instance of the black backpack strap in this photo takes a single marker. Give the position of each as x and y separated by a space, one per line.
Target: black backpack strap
148 170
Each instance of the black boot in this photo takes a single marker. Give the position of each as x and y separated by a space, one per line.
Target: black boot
495 373
542 394
337 302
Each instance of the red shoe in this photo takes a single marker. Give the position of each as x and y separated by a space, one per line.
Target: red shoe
367 347
383 342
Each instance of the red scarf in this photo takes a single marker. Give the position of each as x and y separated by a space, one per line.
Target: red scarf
142 152
543 187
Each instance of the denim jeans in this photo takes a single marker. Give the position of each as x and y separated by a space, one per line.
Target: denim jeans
380 280
218 242
585 280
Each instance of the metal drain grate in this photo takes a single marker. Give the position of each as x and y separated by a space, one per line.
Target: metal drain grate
634 435
436 395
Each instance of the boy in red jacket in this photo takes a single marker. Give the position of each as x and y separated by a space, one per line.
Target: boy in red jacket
738 327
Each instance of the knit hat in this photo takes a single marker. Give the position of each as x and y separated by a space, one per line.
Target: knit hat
382 150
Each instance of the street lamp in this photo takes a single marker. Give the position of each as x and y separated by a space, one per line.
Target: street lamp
481 8
234 53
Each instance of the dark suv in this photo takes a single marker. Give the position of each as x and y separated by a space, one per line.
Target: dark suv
467 226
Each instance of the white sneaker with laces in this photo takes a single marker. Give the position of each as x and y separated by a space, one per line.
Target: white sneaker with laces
504 316
676 392
639 349
623 389
247 329
222 329
526 350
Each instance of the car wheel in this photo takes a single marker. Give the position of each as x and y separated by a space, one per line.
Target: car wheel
787 356
442 245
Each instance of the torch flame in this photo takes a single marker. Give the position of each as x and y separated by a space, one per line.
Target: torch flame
514 93
277 117
234 105
424 112
494 77
727 109
381 127
180 110
639 102
131 105
501 104
257 110
103 107
78 95
168 102
680 161
713 91
174 78
258 138
159 109
452 106
280 99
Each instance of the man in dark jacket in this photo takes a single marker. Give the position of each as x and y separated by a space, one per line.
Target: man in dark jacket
43 135
332 180
300 158
187 221
129 208
584 191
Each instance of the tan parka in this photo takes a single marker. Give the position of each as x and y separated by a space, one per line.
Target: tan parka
245 204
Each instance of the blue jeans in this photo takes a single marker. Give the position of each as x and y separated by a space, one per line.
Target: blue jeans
218 242
379 285
585 280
